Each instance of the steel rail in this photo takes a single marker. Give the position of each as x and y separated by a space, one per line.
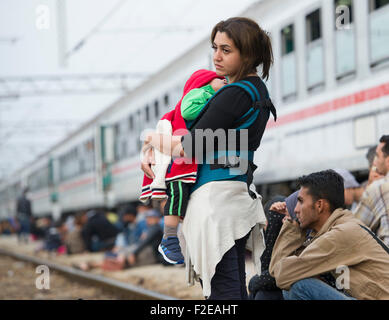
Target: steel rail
127 290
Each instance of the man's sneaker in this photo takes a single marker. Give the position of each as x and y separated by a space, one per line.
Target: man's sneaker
171 250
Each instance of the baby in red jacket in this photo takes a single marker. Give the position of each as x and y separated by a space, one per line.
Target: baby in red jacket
173 179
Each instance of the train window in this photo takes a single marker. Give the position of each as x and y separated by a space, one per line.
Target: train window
287 36
87 156
116 132
344 40
156 109
313 25
147 113
289 83
166 100
138 119
315 50
376 4
83 168
131 123
90 145
116 129
39 179
379 35
124 149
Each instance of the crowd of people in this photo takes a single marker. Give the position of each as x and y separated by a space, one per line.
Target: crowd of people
332 221
120 234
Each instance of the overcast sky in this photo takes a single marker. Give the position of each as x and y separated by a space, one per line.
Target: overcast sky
119 36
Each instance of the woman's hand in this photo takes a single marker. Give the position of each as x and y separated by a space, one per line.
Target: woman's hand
281 208
148 160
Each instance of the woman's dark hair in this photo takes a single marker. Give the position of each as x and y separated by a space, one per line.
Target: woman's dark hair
254 44
326 185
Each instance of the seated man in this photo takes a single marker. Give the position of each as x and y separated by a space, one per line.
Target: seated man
153 237
97 232
352 189
373 209
131 230
373 174
339 245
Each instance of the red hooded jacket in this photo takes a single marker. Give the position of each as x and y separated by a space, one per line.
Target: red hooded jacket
185 172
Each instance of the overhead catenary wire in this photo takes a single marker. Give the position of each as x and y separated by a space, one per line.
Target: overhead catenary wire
84 39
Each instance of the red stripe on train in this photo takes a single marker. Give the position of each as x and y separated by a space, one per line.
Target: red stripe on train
129 167
75 184
336 104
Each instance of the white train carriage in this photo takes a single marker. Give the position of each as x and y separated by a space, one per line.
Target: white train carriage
329 83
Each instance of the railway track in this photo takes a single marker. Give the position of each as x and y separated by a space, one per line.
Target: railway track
115 288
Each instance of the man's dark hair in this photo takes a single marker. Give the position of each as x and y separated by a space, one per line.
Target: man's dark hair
385 149
326 185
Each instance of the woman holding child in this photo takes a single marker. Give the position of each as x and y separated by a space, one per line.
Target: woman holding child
223 216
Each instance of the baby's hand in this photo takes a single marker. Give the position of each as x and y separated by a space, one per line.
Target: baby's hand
217 83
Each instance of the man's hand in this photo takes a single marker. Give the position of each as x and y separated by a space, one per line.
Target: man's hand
131 259
373 175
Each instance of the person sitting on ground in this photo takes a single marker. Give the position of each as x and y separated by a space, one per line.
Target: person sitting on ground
53 241
74 241
373 209
122 257
5 228
264 287
111 215
131 230
373 174
39 227
339 244
199 88
153 237
141 209
352 189
97 232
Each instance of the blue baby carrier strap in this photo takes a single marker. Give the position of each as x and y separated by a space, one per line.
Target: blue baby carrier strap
227 164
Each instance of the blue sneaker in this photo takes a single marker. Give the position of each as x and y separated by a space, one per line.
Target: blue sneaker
171 250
